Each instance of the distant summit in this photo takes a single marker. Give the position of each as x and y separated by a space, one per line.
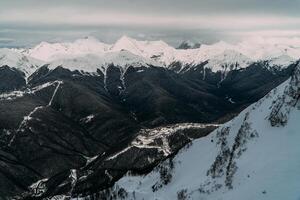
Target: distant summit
189 45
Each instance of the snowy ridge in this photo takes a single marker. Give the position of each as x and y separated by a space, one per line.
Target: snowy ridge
254 156
89 54
14 58
90 63
53 51
228 60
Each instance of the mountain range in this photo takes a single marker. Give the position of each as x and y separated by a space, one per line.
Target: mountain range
278 52
76 117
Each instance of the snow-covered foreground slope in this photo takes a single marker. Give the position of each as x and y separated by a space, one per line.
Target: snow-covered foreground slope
254 156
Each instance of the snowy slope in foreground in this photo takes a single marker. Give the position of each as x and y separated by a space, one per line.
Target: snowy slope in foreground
254 156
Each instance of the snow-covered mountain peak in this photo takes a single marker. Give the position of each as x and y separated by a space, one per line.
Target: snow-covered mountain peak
187 44
228 60
14 58
126 43
44 51
280 61
91 44
92 62
142 48
52 51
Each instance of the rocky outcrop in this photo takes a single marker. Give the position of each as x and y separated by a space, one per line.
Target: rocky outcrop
283 105
11 79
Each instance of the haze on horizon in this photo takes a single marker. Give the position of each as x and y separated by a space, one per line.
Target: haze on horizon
28 22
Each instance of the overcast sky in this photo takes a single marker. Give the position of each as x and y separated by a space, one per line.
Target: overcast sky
27 22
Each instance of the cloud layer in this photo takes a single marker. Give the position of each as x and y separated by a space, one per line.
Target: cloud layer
56 20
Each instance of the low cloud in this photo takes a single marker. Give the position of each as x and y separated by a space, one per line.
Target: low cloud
28 22
83 17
